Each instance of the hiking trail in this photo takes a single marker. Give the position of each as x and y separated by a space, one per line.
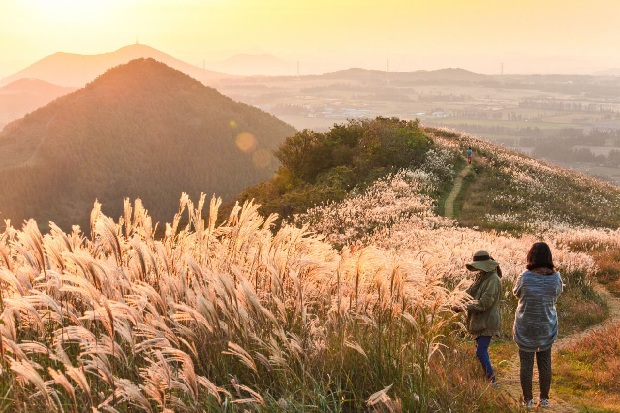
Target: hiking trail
456 188
509 379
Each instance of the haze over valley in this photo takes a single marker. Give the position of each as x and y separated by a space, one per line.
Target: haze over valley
535 114
282 206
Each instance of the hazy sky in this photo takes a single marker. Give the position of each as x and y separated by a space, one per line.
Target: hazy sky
527 36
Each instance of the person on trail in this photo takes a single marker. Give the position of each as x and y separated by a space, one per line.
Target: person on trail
483 315
469 154
536 320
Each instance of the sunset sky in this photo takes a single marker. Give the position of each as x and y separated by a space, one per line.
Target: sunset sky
527 36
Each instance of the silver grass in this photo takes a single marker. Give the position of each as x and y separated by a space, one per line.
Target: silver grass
12 284
103 347
94 216
214 206
108 237
33 264
355 346
125 297
379 396
97 364
186 313
61 379
11 347
155 328
243 356
187 368
25 372
8 328
34 347
5 253
31 237
24 311
155 384
127 211
143 223
77 375
212 389
142 271
162 257
105 406
255 396
47 305
381 402
155 301
151 344
130 392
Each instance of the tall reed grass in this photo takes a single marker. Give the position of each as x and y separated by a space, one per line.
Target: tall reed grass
233 317
227 317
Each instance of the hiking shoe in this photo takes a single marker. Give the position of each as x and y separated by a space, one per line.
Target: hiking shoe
495 385
528 404
543 403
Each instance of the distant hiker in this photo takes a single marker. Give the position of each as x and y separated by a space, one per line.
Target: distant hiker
469 154
483 316
536 320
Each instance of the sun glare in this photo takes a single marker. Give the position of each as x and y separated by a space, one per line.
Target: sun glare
60 11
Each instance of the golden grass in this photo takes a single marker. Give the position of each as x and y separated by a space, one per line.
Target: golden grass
587 370
235 317
208 314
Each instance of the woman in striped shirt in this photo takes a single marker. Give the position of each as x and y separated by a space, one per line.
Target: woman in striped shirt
536 320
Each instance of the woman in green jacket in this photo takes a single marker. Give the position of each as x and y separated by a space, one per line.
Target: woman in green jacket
483 315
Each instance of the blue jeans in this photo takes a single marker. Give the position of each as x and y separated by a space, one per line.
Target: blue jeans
482 352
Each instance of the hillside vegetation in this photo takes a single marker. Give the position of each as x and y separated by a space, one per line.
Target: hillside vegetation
316 168
141 130
239 316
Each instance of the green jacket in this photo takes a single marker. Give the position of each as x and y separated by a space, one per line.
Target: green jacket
483 316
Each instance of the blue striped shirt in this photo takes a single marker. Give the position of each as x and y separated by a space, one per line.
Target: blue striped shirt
536 319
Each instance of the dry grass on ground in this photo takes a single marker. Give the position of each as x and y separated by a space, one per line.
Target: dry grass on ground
588 370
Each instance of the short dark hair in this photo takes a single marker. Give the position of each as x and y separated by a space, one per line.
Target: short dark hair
539 256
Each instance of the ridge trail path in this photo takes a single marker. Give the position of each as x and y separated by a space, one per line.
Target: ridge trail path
456 188
509 380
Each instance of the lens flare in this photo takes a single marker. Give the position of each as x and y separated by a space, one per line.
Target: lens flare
246 142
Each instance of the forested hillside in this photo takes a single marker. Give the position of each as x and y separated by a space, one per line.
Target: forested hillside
141 130
322 167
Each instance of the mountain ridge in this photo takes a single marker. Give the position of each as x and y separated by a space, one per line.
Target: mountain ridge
24 95
75 70
142 130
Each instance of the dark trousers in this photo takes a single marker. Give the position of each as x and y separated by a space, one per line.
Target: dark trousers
543 361
482 352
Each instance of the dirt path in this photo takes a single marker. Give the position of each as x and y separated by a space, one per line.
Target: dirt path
510 378
614 316
458 183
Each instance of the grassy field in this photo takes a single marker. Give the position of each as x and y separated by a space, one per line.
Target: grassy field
238 317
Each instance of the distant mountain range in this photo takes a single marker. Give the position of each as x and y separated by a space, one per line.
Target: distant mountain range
247 64
140 130
609 72
75 70
61 73
451 74
25 95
